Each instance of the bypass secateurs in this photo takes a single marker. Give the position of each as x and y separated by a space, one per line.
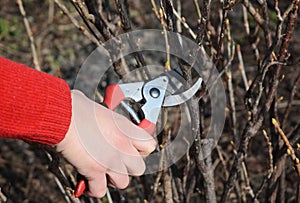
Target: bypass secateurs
152 95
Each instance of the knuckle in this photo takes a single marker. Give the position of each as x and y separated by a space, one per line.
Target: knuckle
99 193
140 169
124 184
102 193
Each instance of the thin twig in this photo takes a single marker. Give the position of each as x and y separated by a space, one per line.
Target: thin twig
76 23
167 185
178 17
108 196
163 24
221 35
290 149
51 11
60 177
247 29
198 9
30 35
3 198
154 9
242 67
248 187
257 17
223 161
186 172
228 72
246 22
271 168
178 23
266 24
184 23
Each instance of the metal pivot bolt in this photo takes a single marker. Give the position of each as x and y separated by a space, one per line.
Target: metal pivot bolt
154 92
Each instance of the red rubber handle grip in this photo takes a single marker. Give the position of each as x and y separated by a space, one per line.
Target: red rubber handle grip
113 96
148 126
80 187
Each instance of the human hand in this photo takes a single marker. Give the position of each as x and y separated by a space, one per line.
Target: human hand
101 143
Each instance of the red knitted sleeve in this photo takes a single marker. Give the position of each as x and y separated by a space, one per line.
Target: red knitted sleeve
34 106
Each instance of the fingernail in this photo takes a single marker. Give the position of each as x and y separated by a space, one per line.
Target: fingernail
152 146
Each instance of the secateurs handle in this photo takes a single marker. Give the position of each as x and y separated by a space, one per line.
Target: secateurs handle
113 96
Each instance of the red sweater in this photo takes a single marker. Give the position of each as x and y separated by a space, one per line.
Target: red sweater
34 106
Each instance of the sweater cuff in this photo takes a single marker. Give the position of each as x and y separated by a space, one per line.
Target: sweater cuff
57 114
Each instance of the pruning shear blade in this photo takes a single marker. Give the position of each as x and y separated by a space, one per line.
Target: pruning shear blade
173 100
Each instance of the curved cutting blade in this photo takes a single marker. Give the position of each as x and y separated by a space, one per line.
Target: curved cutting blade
173 100
176 81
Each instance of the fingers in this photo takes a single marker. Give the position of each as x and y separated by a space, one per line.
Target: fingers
122 128
97 185
145 145
118 180
134 162
140 139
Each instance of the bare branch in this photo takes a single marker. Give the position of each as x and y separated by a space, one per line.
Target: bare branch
76 23
30 35
290 149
